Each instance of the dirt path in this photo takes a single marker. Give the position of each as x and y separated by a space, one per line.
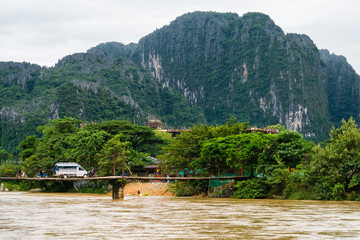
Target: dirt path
152 189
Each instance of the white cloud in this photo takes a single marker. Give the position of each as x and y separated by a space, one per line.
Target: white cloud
43 31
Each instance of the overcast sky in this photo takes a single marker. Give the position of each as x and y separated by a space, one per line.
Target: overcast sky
44 31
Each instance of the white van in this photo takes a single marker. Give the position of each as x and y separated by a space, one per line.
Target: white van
69 169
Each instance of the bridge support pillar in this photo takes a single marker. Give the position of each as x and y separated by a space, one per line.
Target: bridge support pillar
118 189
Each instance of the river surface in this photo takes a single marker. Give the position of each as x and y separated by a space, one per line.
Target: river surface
86 216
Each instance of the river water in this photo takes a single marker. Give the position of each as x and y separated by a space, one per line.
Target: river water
90 216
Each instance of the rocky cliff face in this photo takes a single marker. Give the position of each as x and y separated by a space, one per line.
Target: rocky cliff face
20 74
102 84
203 67
243 67
343 87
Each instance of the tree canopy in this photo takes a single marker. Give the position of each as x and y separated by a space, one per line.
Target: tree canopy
91 145
285 164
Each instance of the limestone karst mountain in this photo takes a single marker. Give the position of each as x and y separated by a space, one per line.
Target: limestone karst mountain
204 67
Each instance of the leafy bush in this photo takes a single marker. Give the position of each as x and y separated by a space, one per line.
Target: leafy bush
322 190
9 170
278 180
28 185
252 188
338 191
98 187
184 189
353 196
58 186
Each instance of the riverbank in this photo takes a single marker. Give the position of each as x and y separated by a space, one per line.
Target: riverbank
151 189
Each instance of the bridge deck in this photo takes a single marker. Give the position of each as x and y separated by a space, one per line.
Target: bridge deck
120 177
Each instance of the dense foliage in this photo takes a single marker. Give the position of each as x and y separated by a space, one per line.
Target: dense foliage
283 165
89 87
184 153
95 145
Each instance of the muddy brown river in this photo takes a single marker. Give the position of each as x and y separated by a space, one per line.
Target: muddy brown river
82 216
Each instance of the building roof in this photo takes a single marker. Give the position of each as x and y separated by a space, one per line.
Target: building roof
67 164
153 166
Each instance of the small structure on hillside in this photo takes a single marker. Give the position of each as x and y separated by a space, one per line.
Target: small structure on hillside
156 124
264 130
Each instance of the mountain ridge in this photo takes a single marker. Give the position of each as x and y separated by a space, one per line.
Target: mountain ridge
203 67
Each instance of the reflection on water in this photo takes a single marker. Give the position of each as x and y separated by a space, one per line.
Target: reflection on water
70 216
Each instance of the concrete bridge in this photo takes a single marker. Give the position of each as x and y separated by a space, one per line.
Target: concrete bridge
118 182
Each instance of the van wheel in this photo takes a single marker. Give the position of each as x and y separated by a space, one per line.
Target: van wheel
65 176
85 176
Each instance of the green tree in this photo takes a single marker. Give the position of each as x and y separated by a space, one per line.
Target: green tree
291 148
245 151
338 163
5 157
142 139
65 140
28 146
185 150
85 145
165 136
53 142
251 189
113 150
51 147
279 127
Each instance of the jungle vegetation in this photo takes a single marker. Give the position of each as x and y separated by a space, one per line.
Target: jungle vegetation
282 165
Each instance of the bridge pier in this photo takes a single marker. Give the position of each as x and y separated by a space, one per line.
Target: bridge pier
118 189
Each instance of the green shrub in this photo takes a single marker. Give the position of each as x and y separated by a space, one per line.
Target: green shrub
184 189
277 181
28 185
57 186
252 188
353 196
338 192
322 190
9 170
98 187
300 194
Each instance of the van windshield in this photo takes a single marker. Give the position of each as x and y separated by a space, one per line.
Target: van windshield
67 167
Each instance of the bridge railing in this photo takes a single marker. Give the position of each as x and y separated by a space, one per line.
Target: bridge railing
117 163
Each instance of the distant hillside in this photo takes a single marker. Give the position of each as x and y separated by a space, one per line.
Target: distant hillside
343 88
204 67
241 67
92 87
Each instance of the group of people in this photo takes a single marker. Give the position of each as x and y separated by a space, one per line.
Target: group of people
41 174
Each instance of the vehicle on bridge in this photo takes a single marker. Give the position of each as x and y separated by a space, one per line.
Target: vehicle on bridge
69 169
